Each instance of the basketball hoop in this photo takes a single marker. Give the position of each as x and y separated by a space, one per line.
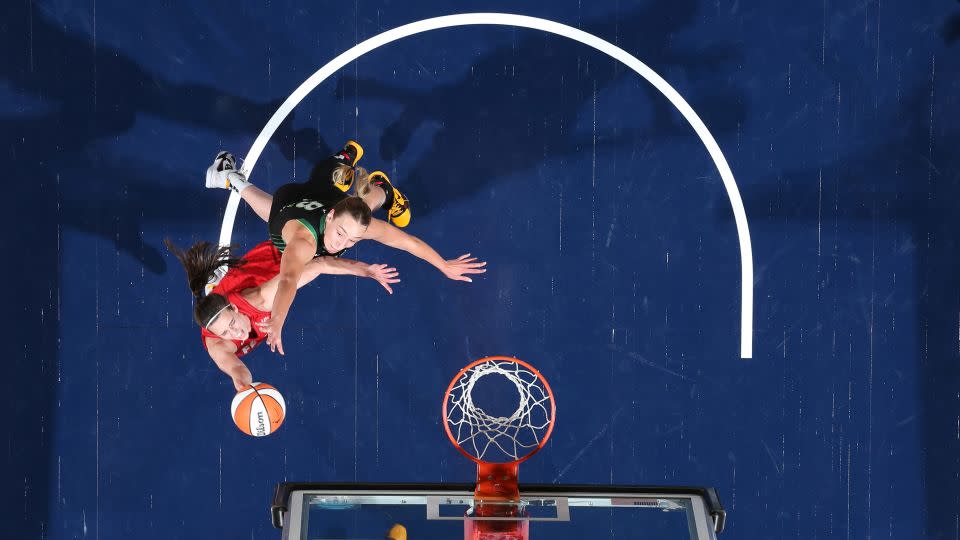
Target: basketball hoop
498 443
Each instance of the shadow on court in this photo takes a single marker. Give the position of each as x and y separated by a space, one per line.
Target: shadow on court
62 180
81 106
897 182
499 120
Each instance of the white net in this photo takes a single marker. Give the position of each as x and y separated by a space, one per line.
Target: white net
499 438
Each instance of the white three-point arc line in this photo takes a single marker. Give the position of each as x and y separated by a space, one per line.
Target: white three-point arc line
505 19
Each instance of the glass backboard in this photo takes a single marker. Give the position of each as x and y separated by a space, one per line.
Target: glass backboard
446 511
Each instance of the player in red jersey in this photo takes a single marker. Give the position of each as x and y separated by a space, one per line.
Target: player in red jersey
233 316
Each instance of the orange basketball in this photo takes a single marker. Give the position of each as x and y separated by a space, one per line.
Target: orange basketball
258 409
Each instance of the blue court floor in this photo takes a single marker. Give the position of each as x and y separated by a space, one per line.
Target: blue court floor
614 256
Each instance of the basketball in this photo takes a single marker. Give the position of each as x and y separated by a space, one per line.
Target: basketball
258 409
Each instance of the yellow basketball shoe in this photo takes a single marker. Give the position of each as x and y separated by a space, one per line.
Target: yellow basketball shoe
398 207
353 151
349 155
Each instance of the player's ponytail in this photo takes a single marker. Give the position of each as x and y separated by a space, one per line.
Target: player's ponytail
346 175
201 261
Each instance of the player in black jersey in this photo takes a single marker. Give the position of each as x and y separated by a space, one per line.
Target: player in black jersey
318 218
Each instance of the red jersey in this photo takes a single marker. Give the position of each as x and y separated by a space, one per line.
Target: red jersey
263 264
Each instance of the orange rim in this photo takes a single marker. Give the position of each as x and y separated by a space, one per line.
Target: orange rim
535 371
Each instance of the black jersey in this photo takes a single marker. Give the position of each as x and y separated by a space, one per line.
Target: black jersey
312 214
309 203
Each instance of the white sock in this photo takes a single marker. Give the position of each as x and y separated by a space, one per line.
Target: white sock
238 182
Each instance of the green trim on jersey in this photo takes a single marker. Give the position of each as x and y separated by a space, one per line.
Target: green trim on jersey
310 228
281 244
278 242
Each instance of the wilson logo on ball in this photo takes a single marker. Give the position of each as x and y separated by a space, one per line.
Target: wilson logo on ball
258 410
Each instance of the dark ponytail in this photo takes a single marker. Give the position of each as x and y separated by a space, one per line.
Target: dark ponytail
201 261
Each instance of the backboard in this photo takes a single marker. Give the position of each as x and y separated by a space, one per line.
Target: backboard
447 511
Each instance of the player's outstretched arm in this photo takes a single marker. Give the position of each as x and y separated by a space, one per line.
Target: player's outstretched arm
381 273
299 250
224 354
456 269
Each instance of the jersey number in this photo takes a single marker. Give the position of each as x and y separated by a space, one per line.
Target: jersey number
309 205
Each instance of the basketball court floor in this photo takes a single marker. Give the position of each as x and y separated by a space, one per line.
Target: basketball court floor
731 250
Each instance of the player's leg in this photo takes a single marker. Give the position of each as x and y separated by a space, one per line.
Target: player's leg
373 197
223 174
338 169
341 171
259 200
380 193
